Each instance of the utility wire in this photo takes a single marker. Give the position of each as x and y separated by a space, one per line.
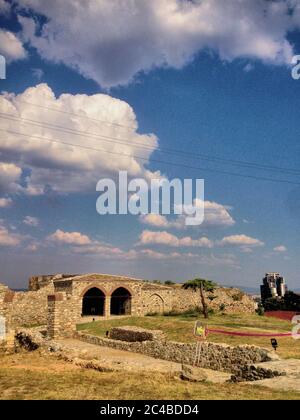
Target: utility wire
154 160
146 147
76 115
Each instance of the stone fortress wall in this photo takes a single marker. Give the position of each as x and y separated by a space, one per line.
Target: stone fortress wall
62 300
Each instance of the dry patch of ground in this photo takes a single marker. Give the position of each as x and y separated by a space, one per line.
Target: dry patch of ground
290 382
36 376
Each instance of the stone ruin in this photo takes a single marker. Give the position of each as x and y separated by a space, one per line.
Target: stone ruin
61 301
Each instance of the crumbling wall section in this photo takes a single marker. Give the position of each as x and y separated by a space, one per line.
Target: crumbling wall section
61 316
213 356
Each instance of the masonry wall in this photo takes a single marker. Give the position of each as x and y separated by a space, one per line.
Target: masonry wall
61 316
212 356
77 289
156 300
26 308
31 308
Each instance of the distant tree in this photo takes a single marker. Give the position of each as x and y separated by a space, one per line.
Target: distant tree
203 286
156 282
274 304
169 283
292 301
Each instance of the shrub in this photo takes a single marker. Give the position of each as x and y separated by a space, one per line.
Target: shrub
222 307
260 310
238 297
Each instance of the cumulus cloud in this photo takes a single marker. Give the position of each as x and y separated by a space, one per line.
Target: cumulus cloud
10 176
156 220
71 238
11 47
31 221
241 241
280 248
124 38
215 214
79 243
8 238
107 124
5 202
165 238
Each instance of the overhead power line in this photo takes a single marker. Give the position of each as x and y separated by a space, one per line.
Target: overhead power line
128 127
176 152
152 160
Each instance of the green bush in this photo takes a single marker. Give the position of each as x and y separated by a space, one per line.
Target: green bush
260 310
169 283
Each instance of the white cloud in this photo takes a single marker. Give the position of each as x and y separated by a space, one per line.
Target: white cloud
241 241
215 214
156 220
64 168
165 238
79 243
280 248
10 176
5 202
31 221
8 238
70 238
11 47
123 38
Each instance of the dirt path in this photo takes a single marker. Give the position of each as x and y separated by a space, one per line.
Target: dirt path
124 360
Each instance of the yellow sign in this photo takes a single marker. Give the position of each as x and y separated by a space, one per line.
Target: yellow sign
200 329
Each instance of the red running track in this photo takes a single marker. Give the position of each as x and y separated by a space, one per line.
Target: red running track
246 334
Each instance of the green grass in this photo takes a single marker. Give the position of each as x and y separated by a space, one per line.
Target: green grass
180 328
30 376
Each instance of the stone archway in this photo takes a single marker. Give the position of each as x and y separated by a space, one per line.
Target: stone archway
93 302
156 304
120 302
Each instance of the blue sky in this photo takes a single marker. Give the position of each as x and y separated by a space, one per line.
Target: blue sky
228 95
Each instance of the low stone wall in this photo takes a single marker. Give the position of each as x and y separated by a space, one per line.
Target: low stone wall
133 334
212 356
254 373
33 339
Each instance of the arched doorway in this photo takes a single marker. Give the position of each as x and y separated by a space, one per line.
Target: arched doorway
120 302
93 302
156 304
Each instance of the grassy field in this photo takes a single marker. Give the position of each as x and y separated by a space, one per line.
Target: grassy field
180 328
32 376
